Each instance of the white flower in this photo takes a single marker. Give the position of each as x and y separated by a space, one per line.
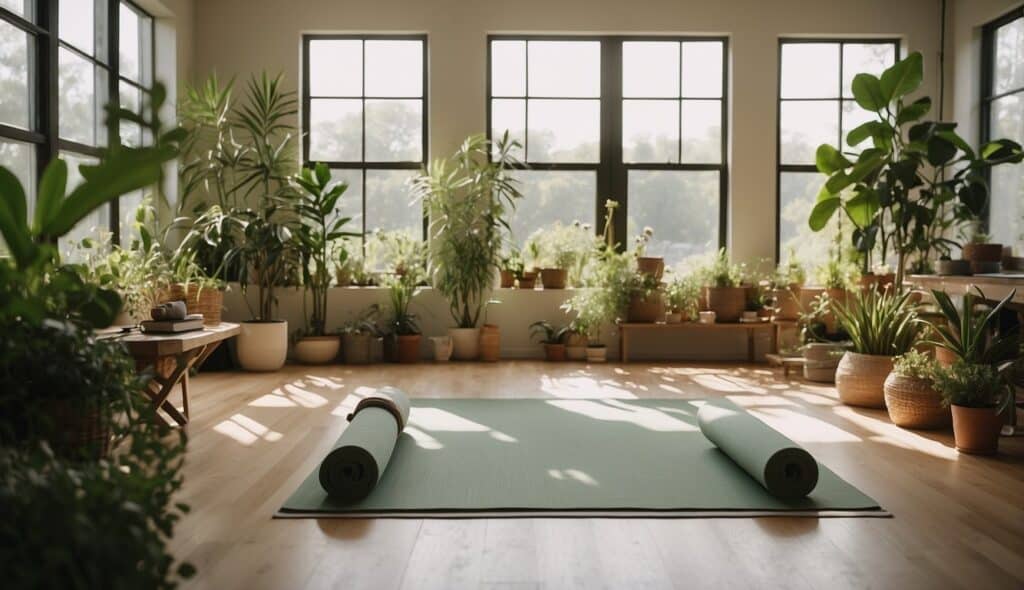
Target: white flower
648 231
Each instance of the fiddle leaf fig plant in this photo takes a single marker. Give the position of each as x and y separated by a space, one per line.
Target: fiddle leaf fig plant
917 179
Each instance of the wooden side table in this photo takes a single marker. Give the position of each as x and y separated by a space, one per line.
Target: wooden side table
182 352
751 329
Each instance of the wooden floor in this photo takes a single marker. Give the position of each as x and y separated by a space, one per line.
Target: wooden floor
959 520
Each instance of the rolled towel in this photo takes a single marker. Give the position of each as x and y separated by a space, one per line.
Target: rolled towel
171 310
356 463
785 469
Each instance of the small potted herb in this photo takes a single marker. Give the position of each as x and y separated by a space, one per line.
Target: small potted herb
910 395
724 292
977 394
683 294
552 337
359 336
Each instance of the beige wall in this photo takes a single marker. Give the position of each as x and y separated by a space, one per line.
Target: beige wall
237 37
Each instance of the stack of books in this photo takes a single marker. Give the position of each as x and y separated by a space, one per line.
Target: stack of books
191 323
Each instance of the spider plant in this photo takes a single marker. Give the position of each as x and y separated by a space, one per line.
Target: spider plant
880 323
548 332
968 335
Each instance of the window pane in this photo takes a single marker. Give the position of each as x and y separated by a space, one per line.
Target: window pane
96 222
77 24
870 58
83 89
508 68
1007 121
1009 61
804 126
388 202
129 40
336 67
14 90
394 130
682 207
650 131
127 208
552 195
810 70
335 130
394 68
702 131
565 68
650 69
20 159
20 7
702 69
797 194
564 130
351 202
131 99
509 115
853 116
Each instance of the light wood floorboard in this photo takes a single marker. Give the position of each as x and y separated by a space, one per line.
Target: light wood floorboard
958 520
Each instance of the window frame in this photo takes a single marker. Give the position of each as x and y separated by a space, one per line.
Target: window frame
781 168
612 172
42 23
985 91
363 165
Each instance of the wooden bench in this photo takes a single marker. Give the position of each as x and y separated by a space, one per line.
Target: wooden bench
627 329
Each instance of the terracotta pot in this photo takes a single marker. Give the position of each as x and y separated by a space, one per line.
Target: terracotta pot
342 276
597 354
262 346
357 349
575 346
465 343
728 303
490 343
976 430
317 350
553 278
645 310
507 279
983 252
554 353
528 280
944 356
407 348
442 348
652 266
208 301
860 379
787 303
953 267
673 317
914 403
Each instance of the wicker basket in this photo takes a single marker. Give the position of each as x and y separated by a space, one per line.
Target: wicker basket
82 431
860 379
207 301
913 403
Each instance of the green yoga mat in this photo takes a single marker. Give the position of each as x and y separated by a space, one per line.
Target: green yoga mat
470 458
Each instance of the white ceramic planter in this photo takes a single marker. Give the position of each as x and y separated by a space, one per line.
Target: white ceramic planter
707 317
263 346
317 350
442 348
465 343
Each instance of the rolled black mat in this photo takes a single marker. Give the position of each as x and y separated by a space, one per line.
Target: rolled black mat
780 465
356 463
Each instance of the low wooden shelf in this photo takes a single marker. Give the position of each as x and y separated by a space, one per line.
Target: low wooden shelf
751 328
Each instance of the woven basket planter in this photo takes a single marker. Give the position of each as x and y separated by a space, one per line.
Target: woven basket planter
860 379
207 301
913 403
80 431
728 303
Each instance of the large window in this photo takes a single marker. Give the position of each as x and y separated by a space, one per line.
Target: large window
364 115
53 88
639 120
816 106
1002 116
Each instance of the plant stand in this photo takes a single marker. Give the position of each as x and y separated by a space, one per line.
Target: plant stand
626 331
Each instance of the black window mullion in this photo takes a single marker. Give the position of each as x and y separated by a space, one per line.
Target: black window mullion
612 174
114 97
48 84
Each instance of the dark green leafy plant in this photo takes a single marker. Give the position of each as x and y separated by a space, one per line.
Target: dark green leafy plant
319 226
403 286
918 179
968 334
974 386
548 332
881 323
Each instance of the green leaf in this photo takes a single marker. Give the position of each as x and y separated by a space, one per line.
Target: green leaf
822 212
837 182
867 91
940 151
828 159
863 207
51 192
903 77
858 134
13 221
914 111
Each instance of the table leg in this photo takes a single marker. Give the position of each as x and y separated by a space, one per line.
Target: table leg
160 388
750 344
623 346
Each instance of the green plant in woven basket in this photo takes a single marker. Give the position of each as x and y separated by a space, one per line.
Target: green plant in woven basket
914 364
879 323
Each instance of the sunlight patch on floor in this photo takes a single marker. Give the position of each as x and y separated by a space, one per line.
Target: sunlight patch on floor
803 428
887 433
616 411
761 400
246 431
422 439
582 387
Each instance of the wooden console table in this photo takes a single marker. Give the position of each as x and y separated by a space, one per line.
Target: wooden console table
995 286
752 328
180 351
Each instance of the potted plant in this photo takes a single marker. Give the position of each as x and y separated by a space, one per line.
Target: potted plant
949 267
977 394
683 297
490 337
881 325
575 343
968 336
468 198
724 293
820 348
359 335
402 289
319 226
900 192
789 278
652 266
552 337
511 268
910 395
982 255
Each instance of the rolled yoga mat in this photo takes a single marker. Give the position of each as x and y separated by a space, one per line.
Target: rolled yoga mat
782 467
356 463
